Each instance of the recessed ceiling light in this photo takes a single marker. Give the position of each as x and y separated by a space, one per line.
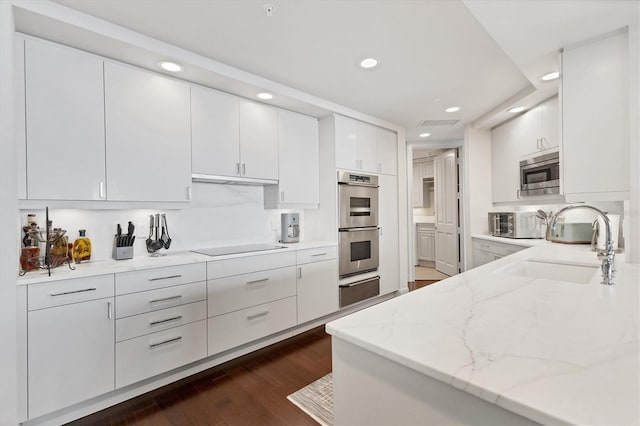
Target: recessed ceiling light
265 96
550 76
515 109
453 109
170 66
369 63
424 135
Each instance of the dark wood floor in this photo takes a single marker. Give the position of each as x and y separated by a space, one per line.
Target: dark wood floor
250 390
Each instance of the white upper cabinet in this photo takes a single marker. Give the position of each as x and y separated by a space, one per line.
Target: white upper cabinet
19 127
215 132
298 163
539 128
550 123
362 146
387 151
232 137
346 143
148 135
258 141
505 162
595 113
64 123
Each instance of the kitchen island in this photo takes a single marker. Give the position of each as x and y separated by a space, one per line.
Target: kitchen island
504 343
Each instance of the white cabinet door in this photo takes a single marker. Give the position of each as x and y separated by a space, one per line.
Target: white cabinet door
387 151
71 354
64 123
505 163
427 245
389 268
427 169
258 141
550 136
215 132
346 140
298 163
317 290
595 143
527 134
367 149
19 122
417 185
481 257
148 135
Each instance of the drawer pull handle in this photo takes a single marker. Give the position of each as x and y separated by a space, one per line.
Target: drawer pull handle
165 299
165 278
165 320
318 254
109 310
155 345
64 293
299 272
258 315
263 280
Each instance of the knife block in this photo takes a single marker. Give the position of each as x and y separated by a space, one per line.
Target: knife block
121 253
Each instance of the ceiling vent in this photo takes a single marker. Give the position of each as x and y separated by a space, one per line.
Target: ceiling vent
435 123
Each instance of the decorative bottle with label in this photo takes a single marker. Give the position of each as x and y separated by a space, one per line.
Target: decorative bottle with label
82 247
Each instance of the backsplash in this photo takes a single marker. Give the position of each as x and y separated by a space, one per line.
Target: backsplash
219 215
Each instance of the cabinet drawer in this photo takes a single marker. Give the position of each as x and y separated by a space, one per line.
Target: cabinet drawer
151 322
243 291
236 328
245 265
69 291
316 254
154 300
426 227
502 249
150 279
146 356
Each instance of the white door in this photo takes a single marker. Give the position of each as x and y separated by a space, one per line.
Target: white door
148 128
215 132
64 123
258 141
446 194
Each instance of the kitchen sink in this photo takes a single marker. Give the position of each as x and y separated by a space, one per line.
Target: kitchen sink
550 270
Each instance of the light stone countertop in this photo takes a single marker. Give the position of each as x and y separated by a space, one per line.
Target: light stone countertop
424 219
525 242
145 261
551 351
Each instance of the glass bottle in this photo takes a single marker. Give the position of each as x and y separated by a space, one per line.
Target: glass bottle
59 246
82 247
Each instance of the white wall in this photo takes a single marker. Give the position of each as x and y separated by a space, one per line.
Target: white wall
219 215
8 224
633 245
477 198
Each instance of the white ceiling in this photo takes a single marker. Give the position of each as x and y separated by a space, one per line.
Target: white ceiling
479 54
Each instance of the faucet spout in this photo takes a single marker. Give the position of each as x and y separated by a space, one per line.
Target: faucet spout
606 255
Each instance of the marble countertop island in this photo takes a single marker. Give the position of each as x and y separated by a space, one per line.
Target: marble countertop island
549 351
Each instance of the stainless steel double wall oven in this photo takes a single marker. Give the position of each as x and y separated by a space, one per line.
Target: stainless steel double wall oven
358 235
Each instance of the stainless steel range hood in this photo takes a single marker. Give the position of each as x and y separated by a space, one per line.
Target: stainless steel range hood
236 180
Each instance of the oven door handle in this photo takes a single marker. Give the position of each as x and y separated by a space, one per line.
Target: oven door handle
368 228
367 185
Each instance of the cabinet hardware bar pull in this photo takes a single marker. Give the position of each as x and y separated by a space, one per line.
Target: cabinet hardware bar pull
244 169
299 272
318 254
165 299
263 280
165 278
237 168
281 195
175 339
64 293
165 320
258 315
101 189
189 193
109 310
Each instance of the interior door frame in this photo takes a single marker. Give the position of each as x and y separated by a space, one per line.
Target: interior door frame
411 240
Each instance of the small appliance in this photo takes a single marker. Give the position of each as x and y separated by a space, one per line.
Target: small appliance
515 225
290 228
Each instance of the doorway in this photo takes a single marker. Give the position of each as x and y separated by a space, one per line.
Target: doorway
435 196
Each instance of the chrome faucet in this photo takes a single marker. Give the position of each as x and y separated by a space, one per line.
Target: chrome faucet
607 254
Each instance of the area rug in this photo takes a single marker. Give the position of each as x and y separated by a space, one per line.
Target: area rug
316 399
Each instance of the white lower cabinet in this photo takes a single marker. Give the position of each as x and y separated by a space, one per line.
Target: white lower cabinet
317 283
426 238
485 251
146 356
237 328
70 347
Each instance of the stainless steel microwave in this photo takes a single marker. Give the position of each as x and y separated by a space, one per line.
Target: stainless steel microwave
540 175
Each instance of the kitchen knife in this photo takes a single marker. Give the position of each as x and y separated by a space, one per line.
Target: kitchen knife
118 236
130 230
